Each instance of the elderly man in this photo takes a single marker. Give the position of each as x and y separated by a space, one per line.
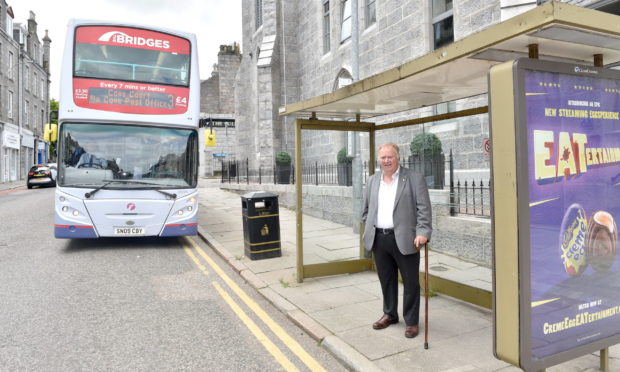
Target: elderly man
397 212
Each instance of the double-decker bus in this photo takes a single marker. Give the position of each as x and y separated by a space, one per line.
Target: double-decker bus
127 136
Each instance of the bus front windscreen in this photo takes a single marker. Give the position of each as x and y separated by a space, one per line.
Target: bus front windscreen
91 155
131 55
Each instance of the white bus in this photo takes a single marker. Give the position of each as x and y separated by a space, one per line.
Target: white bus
127 136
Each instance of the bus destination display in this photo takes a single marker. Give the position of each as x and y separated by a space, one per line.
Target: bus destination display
130 98
124 97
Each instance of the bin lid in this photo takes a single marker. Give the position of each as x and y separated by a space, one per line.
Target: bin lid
258 195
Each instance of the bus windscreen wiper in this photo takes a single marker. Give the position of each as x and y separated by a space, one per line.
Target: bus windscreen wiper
105 184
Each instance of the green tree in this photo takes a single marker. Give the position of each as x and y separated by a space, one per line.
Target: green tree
343 157
283 158
427 143
53 109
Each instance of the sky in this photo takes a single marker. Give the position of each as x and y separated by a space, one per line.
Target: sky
215 22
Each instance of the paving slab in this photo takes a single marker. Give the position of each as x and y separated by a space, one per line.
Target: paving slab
348 317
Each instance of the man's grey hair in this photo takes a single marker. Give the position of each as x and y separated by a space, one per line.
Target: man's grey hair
392 145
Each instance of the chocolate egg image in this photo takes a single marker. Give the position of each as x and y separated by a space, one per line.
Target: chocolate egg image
602 241
573 233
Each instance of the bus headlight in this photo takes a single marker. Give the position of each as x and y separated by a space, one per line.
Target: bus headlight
76 213
65 209
180 212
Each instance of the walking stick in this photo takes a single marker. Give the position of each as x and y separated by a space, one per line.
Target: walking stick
426 296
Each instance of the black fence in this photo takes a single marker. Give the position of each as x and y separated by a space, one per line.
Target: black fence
470 198
467 197
315 173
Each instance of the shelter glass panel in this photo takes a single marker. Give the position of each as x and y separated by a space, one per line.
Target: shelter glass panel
331 202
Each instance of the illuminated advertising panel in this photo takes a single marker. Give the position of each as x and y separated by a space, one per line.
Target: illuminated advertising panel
567 141
130 70
573 132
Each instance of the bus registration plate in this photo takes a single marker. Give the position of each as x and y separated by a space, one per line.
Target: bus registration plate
129 231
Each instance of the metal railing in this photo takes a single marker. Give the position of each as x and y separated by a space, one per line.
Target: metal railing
469 197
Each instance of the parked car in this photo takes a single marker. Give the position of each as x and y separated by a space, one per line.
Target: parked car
42 175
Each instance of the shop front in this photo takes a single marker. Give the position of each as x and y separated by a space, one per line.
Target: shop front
9 152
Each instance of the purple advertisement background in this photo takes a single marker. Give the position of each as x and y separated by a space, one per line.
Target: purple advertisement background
570 309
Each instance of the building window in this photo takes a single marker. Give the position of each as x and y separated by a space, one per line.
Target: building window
607 6
34 84
326 27
10 105
343 79
43 89
259 13
42 118
26 109
27 78
371 12
443 28
345 29
444 108
11 65
9 21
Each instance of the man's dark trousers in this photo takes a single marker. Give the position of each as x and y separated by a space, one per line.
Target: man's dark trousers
389 260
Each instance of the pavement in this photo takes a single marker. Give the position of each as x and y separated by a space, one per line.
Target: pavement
338 311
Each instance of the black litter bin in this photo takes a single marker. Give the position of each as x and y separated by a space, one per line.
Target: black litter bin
261 225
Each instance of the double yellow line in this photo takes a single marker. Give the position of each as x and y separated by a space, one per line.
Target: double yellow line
293 345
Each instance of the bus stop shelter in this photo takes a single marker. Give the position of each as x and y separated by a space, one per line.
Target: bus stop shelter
553 32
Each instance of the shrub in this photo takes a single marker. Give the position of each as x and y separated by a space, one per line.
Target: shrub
342 157
283 158
426 143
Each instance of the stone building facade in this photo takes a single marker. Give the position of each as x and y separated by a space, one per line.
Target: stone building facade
24 94
217 109
296 50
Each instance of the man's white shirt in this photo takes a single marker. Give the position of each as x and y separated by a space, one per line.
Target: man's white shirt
387 196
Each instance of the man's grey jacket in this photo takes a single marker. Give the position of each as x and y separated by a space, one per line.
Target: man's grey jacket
412 210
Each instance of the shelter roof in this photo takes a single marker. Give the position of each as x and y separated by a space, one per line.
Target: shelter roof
563 32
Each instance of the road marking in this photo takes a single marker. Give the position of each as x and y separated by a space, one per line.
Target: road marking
8 191
195 259
270 346
293 345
